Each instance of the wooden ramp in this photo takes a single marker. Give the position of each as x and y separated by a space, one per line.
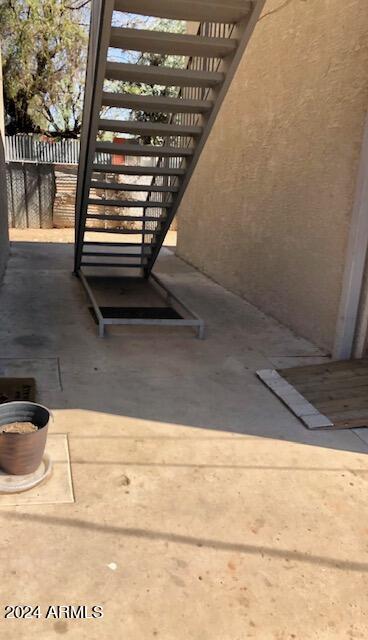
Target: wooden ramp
324 396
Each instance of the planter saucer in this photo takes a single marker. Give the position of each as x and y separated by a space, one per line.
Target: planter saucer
16 484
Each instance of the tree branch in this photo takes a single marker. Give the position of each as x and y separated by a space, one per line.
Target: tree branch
84 4
282 6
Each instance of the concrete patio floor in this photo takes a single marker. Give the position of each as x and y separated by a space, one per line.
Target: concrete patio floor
203 508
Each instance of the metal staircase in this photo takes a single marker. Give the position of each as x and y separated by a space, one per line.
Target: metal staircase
218 32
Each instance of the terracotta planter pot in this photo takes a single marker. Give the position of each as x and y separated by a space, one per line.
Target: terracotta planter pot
21 453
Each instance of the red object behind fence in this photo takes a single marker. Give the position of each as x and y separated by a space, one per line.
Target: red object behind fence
118 159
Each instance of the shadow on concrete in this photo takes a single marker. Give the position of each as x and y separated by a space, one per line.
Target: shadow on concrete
218 545
165 376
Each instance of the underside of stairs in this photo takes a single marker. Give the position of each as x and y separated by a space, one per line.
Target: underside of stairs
138 152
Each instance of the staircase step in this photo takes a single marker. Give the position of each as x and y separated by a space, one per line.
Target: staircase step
227 11
144 150
120 186
117 218
106 254
113 264
178 44
138 171
167 76
90 243
145 204
149 128
155 103
134 232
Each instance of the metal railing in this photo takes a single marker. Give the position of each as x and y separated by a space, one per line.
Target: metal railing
29 147
26 147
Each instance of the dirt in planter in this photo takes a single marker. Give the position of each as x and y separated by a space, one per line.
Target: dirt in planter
18 427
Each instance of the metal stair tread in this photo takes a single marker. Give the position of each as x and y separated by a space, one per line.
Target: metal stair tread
226 11
155 103
117 218
147 150
138 171
113 254
161 75
178 44
100 243
123 186
137 232
125 265
129 203
149 128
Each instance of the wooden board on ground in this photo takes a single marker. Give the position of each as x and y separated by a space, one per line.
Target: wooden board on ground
12 389
324 396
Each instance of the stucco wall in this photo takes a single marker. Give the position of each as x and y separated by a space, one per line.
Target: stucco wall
268 208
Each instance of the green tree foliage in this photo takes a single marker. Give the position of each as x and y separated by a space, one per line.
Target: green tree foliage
44 49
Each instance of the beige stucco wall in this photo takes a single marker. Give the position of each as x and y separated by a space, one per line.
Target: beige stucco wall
268 209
